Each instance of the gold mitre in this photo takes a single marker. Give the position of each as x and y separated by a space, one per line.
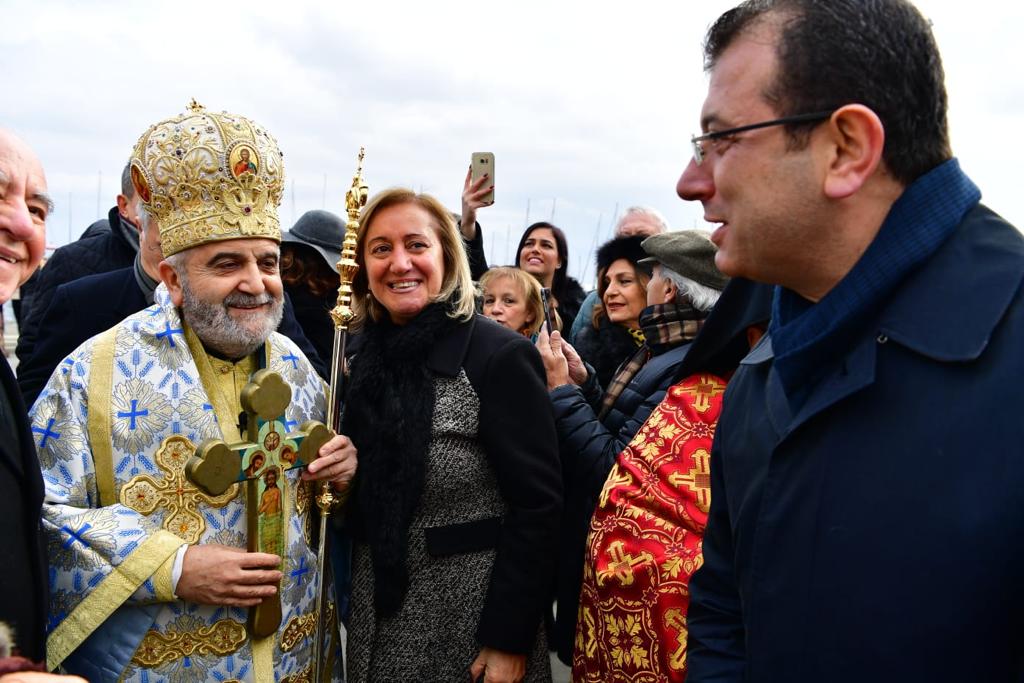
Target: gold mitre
207 177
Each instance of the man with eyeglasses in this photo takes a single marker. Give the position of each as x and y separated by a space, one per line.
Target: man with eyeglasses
867 492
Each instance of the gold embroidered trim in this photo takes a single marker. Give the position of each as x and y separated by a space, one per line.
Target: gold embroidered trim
174 491
301 627
304 676
109 594
163 578
101 386
223 638
263 659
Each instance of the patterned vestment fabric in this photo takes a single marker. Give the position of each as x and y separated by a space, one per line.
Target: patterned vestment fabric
645 543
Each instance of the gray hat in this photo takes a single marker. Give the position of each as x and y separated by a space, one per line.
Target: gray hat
321 230
689 253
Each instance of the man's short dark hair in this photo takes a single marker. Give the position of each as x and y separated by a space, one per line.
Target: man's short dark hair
127 188
879 53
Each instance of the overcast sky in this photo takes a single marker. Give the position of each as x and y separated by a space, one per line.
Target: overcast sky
587 106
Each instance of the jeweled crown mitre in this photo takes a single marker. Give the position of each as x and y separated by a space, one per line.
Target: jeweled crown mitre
207 177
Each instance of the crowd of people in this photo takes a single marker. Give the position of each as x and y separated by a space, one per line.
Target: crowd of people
785 451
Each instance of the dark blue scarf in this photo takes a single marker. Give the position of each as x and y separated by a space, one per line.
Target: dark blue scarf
807 336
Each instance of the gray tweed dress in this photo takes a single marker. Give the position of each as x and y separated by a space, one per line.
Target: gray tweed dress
432 638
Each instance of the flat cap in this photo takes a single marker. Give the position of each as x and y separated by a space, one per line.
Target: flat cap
690 253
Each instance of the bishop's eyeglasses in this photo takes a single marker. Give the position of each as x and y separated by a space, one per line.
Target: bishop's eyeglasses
698 140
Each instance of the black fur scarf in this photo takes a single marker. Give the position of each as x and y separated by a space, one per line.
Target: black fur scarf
605 348
388 415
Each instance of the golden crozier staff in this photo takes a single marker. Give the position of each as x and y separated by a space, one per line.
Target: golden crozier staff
342 315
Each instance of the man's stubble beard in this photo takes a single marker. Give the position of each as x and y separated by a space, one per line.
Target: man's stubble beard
219 331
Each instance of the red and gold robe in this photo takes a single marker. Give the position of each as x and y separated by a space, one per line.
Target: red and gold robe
645 543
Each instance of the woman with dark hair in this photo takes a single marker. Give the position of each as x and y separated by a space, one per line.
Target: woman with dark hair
454 513
614 334
544 253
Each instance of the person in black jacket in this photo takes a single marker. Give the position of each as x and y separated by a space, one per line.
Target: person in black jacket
454 511
866 477
309 253
593 429
102 253
73 315
24 206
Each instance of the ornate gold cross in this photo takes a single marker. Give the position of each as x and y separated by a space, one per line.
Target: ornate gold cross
705 390
675 620
622 564
698 479
173 492
260 462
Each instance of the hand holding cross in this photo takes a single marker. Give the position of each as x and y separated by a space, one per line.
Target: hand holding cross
260 462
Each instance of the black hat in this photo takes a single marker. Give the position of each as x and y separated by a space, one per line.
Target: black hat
628 248
689 253
321 230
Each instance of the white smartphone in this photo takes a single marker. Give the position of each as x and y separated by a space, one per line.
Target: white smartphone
483 163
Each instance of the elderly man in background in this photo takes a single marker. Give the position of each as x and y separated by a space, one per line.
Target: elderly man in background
150 574
636 220
24 206
866 480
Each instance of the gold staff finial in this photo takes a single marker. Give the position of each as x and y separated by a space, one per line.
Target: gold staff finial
355 200
195 106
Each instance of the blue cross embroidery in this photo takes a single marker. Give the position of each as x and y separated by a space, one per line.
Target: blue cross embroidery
45 431
133 413
299 573
288 424
76 535
169 333
293 358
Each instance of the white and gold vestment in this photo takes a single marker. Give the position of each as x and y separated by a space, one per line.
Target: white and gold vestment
114 428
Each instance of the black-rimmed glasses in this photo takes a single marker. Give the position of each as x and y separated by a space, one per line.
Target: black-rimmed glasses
698 140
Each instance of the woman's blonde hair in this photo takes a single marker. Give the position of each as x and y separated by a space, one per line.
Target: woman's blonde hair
456 283
529 288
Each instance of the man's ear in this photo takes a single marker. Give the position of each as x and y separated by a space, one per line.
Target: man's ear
170 278
669 291
856 139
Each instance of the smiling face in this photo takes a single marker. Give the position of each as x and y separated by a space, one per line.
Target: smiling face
404 260
539 255
761 192
505 303
24 206
624 295
229 292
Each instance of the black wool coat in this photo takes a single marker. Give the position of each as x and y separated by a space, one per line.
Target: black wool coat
23 573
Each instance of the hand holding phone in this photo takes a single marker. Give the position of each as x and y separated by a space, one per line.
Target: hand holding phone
482 164
549 309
